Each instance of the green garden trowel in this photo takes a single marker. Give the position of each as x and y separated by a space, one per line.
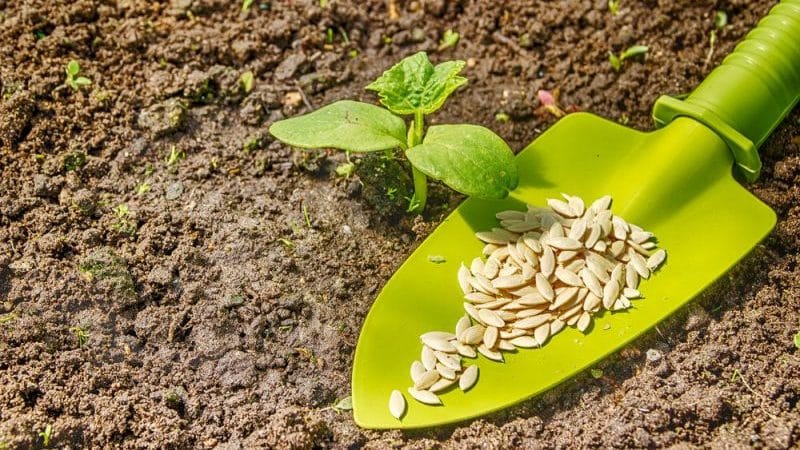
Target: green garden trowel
676 182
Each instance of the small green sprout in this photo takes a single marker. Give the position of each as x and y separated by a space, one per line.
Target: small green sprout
142 188
344 404
73 80
246 4
81 334
502 117
391 193
46 435
306 216
175 156
797 340
329 36
449 40
630 52
353 53
720 19
720 22
246 80
74 160
323 3
345 169
470 159
613 6
596 373
8 318
123 224
287 243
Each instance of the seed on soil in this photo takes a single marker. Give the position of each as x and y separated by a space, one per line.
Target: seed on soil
397 404
544 269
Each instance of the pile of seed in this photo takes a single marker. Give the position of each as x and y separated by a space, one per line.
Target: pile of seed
545 268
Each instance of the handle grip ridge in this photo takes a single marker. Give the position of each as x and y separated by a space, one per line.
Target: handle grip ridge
750 93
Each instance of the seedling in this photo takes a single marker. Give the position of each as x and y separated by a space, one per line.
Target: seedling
630 52
46 435
502 117
123 225
142 188
73 80
306 216
720 21
470 159
345 404
549 101
345 169
175 155
797 340
449 39
246 4
613 6
246 81
81 334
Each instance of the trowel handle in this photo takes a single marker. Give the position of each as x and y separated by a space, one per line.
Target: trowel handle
748 95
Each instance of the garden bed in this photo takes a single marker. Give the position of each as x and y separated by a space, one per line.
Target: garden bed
172 277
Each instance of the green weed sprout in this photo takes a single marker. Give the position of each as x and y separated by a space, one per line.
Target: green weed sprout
73 80
630 52
469 158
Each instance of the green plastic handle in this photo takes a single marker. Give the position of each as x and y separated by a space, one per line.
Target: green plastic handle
750 93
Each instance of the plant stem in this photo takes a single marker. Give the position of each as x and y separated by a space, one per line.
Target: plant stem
420 196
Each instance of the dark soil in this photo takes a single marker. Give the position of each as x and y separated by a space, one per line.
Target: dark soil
219 317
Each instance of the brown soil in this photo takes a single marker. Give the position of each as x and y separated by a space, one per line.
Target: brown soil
205 330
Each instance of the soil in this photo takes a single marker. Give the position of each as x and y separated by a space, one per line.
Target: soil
221 305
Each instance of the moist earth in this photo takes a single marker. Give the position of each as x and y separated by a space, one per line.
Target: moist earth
171 277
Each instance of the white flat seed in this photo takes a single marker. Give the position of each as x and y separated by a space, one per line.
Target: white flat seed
515 254
568 278
631 277
438 335
462 324
476 266
541 333
508 282
417 370
463 281
620 228
577 230
479 297
427 379
639 264
556 230
625 302
521 226
610 293
491 354
601 203
444 372
576 205
500 254
564 297
468 378
601 246
423 396
524 342
530 323
532 311
508 271
483 284
584 321
592 302
566 256
490 318
617 273
561 207
513 333
428 358
594 235
464 350
490 268
532 242
397 404
533 299
514 306
496 236
617 248
438 343
572 321
576 266
556 326
505 346
494 304
523 291
597 270
638 248
473 335
543 286
591 282
640 237
507 316
490 337
488 249
547 262
564 243
529 254
510 215
451 361
631 293
472 311
442 384
528 272
656 259
649 245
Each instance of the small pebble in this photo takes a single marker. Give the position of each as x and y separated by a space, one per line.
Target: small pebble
653 355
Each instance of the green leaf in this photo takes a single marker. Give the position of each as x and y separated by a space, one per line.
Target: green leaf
247 81
83 81
614 61
415 85
449 39
345 404
633 51
346 125
73 68
797 340
720 19
469 158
